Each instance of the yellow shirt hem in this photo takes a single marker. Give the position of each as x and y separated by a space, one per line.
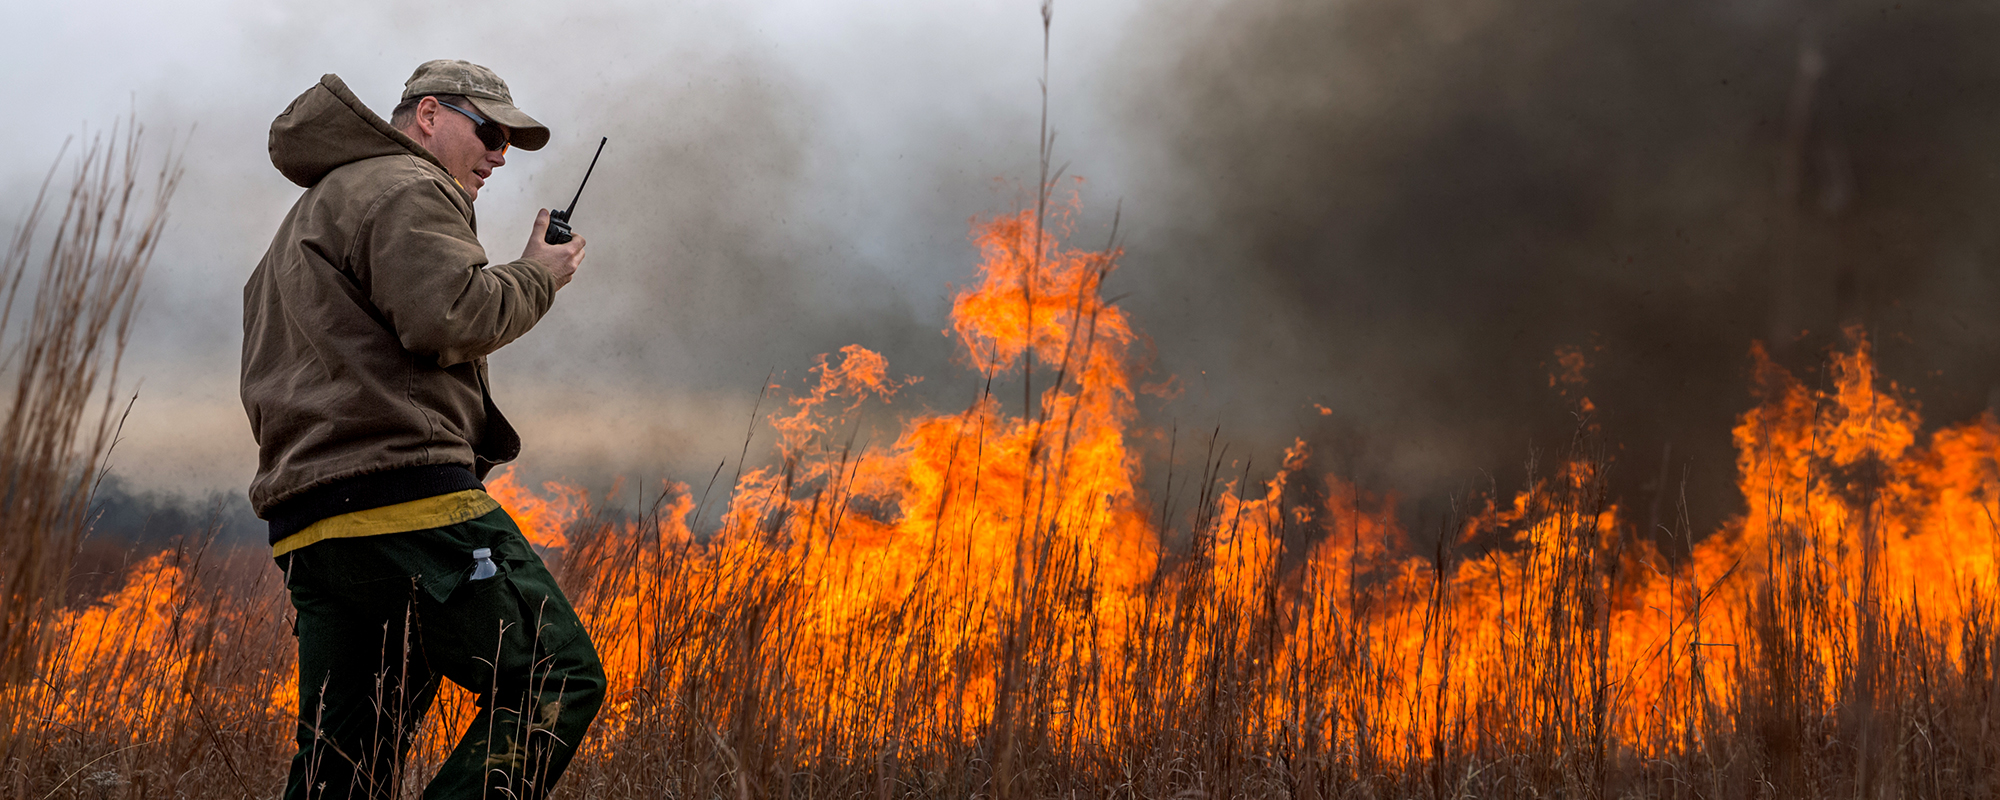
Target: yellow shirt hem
415 515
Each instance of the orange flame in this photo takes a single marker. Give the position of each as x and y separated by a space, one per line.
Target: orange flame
983 556
541 520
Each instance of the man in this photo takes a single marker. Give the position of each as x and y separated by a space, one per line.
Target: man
365 333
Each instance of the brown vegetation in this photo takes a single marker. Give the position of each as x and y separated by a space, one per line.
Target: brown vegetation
990 607
57 342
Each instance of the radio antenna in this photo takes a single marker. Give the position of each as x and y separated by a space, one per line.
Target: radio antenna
586 178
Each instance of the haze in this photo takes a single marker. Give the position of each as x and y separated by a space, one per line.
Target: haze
1393 211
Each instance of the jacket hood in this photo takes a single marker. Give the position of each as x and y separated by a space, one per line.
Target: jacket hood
328 127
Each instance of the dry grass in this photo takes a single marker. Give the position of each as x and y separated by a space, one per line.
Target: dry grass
1192 705
66 314
1209 691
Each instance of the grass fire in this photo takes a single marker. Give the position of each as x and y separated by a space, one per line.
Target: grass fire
990 605
1464 400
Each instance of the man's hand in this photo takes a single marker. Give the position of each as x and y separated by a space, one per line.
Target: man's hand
561 259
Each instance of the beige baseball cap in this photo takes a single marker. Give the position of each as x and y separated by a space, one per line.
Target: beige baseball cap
484 89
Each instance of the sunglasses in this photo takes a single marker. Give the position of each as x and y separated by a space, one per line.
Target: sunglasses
492 134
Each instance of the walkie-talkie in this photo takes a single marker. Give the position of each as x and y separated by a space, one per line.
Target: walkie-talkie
559 232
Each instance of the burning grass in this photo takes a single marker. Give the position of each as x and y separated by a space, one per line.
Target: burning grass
990 606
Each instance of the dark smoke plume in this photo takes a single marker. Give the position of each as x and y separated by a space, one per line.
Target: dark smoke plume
1401 210
128 523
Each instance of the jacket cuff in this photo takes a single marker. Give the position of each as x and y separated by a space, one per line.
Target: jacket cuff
543 277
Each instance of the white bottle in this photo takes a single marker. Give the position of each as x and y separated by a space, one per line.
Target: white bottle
482 564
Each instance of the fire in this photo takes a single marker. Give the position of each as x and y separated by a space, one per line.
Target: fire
541 520
144 622
1000 570
972 516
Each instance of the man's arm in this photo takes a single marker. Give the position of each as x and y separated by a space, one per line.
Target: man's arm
422 267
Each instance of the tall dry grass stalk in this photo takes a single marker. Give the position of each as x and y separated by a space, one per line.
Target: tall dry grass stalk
69 285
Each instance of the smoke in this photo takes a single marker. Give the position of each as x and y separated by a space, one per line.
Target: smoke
1395 212
128 522
1400 211
122 513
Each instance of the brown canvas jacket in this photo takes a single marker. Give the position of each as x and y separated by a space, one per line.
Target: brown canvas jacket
367 323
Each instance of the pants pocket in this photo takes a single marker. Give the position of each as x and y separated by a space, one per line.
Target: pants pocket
476 628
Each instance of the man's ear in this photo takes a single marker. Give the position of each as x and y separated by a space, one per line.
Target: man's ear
426 117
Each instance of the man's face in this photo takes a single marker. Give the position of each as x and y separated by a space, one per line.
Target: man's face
455 141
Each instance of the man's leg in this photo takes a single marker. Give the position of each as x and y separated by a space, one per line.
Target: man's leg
536 706
361 695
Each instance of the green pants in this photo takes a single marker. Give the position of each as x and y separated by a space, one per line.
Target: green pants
382 618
